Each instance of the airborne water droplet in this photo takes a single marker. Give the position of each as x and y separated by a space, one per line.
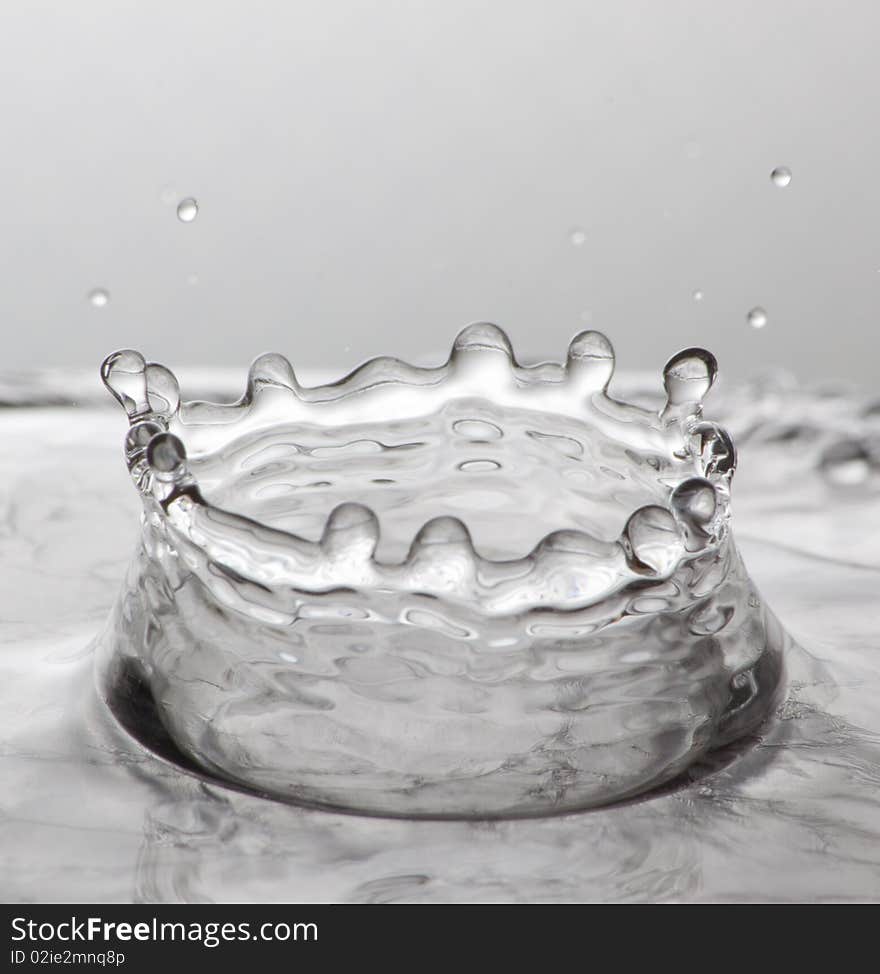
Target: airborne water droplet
757 317
578 238
781 176
187 210
99 297
697 295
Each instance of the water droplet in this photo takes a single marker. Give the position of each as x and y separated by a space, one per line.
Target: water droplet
578 238
192 279
697 295
480 348
163 391
166 454
757 317
653 540
187 210
99 298
781 176
138 437
590 360
694 500
124 374
479 466
689 375
715 448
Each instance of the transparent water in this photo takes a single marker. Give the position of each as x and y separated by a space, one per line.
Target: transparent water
473 590
788 813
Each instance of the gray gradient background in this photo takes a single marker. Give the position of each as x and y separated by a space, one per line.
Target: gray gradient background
373 176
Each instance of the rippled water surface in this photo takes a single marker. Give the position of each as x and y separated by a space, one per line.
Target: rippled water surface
89 814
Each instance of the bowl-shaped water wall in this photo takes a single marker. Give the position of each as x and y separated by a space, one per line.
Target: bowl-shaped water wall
481 589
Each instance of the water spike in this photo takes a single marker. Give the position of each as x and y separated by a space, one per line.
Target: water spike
124 374
166 456
351 531
652 541
688 376
163 390
715 449
271 370
590 361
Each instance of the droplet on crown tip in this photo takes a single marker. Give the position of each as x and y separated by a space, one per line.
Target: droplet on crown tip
482 336
139 435
694 500
142 388
163 390
652 541
590 360
124 374
123 360
694 503
166 456
689 375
